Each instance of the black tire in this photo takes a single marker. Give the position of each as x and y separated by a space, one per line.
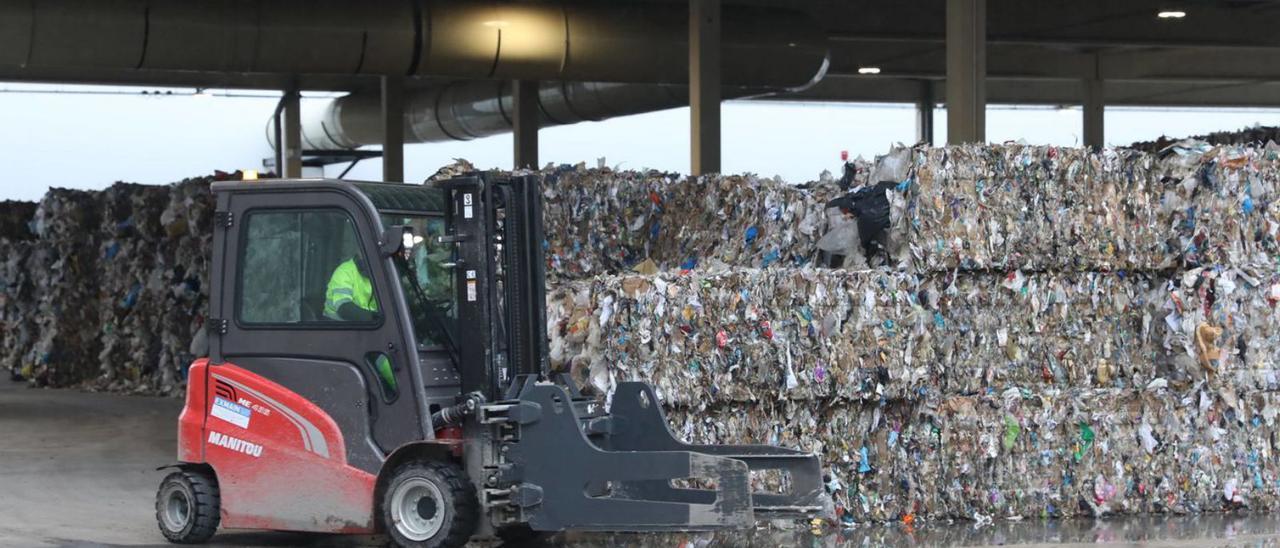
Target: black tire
429 504
513 536
188 507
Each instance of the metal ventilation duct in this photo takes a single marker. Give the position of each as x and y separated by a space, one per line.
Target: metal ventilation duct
763 49
469 110
598 41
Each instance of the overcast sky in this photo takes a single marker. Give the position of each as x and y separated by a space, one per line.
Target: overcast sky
90 139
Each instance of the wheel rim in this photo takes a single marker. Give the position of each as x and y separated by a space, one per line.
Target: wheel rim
417 509
177 508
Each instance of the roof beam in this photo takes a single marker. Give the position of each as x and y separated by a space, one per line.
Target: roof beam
1075 23
1046 42
1049 92
928 61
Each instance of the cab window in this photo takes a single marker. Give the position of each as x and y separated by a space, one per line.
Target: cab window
304 267
426 276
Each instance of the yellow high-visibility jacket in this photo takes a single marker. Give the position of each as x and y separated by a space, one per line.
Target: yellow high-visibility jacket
348 285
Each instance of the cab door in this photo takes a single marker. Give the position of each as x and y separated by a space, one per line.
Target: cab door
281 245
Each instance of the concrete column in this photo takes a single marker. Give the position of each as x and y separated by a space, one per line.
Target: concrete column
966 71
524 122
393 128
924 113
291 135
1094 109
704 86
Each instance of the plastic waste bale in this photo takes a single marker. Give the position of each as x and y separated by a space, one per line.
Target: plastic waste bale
746 334
741 334
16 296
1031 207
187 222
131 251
61 269
601 221
1020 453
1014 206
1217 203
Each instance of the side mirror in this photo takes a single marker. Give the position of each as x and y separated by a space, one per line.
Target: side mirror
395 239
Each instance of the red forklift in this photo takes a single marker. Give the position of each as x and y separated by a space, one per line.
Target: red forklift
415 399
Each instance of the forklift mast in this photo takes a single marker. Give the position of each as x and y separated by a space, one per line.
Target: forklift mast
502 323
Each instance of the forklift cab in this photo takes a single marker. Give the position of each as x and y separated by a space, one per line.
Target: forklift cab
284 246
378 362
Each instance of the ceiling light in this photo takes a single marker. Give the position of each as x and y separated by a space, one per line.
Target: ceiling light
1171 14
496 24
868 70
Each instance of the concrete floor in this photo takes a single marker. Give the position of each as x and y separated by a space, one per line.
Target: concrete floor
79 469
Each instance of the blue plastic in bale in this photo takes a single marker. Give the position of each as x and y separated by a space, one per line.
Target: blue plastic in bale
131 299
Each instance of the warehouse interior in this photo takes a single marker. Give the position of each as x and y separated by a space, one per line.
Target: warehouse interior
983 343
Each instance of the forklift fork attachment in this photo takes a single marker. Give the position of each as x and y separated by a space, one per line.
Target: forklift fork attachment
640 425
589 471
561 480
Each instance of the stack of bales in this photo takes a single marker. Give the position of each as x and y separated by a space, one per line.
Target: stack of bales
106 287
1054 332
1038 331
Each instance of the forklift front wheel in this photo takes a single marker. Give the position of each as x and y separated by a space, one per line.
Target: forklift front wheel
187 507
430 504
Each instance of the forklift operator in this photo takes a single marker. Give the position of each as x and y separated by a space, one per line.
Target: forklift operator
349 296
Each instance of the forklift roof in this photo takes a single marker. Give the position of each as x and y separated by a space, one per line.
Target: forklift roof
401 197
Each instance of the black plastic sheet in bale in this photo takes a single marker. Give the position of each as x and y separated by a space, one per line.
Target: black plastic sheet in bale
871 209
15 220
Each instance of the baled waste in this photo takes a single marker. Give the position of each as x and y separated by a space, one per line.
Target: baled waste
970 332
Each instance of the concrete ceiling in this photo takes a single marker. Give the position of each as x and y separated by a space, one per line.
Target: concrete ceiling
1222 53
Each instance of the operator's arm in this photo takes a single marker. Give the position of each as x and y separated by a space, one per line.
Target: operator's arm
351 313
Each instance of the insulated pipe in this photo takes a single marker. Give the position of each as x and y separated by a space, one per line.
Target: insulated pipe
469 110
488 39
218 36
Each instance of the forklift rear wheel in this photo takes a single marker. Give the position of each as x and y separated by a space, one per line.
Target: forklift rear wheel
187 507
430 504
